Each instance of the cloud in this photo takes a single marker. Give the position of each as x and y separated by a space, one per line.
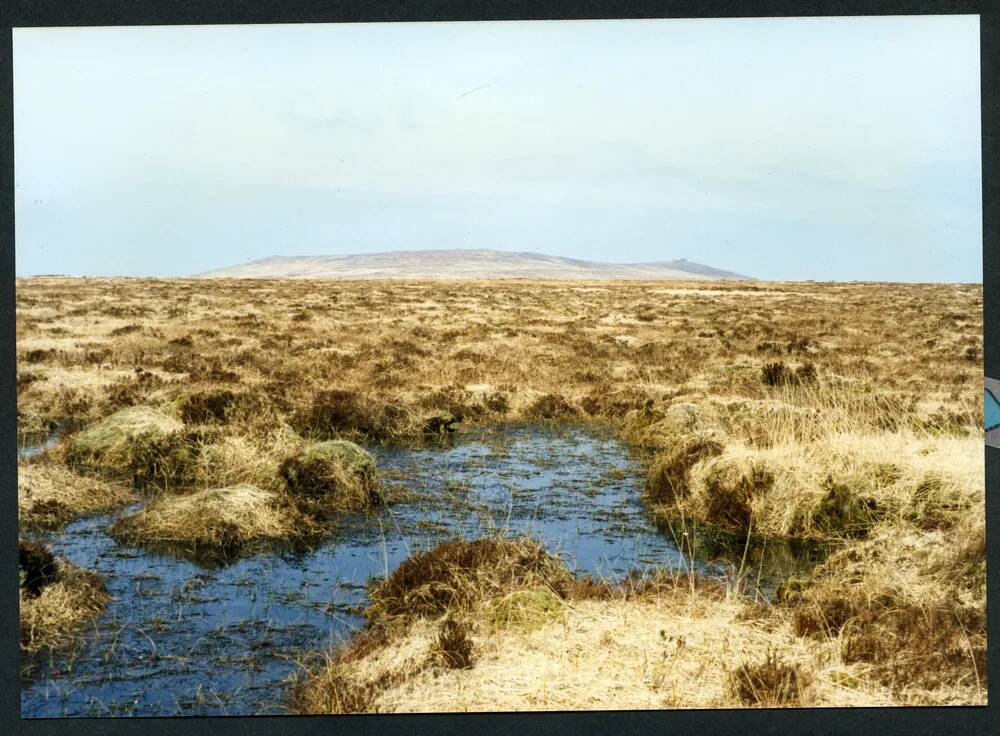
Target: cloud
738 141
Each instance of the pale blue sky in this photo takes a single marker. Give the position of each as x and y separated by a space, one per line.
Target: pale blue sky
835 148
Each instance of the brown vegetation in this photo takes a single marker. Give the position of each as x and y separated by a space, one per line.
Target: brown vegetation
536 639
455 575
218 522
911 605
55 598
769 683
337 474
791 410
49 494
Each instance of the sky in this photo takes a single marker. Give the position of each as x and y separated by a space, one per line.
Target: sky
827 149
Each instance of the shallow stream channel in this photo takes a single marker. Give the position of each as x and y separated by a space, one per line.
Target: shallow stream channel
181 638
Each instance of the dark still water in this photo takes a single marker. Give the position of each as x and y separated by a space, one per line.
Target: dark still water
179 638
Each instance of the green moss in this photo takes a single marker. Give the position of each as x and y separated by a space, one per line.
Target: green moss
528 610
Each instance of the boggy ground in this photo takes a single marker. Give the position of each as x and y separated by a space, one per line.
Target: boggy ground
844 412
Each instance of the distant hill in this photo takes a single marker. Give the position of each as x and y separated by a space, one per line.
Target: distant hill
461 264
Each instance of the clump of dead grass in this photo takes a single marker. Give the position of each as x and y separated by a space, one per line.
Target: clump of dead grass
667 480
337 474
36 568
551 406
345 413
439 423
216 521
727 489
235 460
207 405
253 457
49 494
455 575
780 374
55 599
139 442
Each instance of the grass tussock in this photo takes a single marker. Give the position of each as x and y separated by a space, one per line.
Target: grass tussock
237 459
36 568
49 494
456 575
667 480
139 442
55 598
551 407
779 374
439 423
337 474
216 521
208 406
844 486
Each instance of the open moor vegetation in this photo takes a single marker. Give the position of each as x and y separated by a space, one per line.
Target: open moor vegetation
849 414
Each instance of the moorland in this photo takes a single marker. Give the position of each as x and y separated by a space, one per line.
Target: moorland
222 417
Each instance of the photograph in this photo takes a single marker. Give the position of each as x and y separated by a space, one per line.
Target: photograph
500 366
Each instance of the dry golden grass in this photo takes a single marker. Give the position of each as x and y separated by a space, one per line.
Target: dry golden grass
49 494
494 349
847 411
840 484
54 616
616 655
136 442
216 520
908 604
664 645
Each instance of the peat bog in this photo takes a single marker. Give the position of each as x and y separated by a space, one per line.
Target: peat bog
201 639
800 479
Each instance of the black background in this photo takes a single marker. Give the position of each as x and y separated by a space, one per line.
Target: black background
801 722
